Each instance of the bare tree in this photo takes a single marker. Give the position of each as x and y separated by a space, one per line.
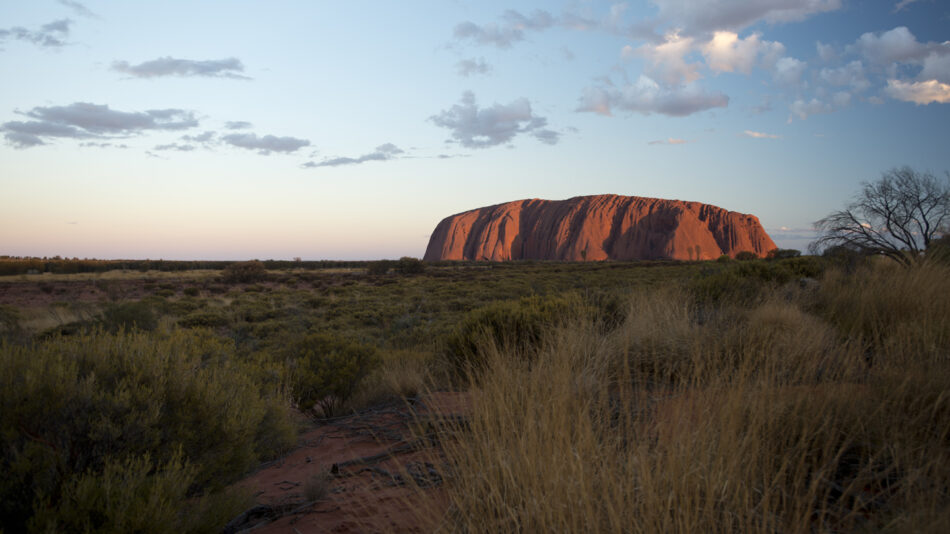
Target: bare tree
897 216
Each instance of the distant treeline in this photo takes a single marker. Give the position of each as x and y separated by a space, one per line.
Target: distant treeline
11 265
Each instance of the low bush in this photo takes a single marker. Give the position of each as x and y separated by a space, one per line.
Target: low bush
244 272
100 428
326 370
407 265
129 315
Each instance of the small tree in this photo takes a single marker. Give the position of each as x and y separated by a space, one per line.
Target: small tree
897 216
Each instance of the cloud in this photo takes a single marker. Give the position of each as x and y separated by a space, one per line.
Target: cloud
467 67
237 125
803 109
666 61
382 153
760 135
50 35
898 44
82 120
669 141
78 8
200 138
920 93
903 4
511 29
169 66
175 146
726 52
647 97
851 75
788 71
826 53
266 144
936 67
103 145
710 15
475 127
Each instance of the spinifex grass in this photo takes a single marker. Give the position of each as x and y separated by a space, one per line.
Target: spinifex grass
786 416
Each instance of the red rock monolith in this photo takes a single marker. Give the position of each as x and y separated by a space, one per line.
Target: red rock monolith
600 227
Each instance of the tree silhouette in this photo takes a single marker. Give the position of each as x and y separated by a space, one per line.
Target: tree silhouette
897 216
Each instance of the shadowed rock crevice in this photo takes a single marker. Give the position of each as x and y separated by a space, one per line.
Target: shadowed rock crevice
601 227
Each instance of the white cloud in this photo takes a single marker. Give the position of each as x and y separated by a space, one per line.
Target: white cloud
760 135
711 15
475 127
903 4
666 61
788 71
920 93
648 97
726 52
50 35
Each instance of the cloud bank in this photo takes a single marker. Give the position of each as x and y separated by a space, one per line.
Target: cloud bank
169 66
383 152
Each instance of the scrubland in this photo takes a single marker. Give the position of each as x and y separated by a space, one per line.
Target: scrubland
793 395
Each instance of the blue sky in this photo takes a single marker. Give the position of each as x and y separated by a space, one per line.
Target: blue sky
347 130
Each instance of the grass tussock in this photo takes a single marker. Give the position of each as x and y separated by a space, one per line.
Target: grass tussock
800 410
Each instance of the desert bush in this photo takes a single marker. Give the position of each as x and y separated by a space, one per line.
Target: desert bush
203 319
191 291
129 315
740 281
407 265
782 254
326 371
515 324
745 255
244 272
78 412
379 267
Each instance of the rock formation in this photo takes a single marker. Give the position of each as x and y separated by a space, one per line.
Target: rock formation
601 227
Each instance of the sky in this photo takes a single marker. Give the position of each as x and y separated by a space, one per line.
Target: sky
348 130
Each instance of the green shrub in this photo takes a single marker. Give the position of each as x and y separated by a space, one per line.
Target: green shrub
745 255
208 319
244 272
514 323
94 407
326 371
191 291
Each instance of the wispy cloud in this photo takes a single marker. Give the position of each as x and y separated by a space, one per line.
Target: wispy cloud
175 146
467 67
237 125
266 144
760 135
82 120
475 127
509 30
169 66
51 35
669 141
78 9
383 152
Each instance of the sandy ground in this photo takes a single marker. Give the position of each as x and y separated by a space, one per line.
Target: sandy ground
381 470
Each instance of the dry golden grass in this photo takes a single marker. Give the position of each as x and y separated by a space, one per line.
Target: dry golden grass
821 411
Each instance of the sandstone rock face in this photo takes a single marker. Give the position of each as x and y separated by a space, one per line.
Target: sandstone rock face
601 227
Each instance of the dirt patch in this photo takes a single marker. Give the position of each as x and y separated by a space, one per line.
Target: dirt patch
380 470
